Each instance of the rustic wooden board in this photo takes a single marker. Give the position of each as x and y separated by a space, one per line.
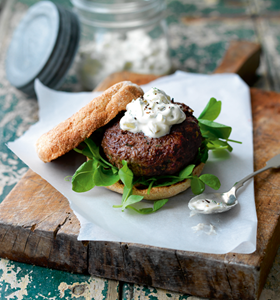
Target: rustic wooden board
37 226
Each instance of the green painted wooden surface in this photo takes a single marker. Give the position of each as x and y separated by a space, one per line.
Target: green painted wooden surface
200 32
21 281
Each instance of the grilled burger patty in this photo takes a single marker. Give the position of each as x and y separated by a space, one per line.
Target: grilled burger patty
154 156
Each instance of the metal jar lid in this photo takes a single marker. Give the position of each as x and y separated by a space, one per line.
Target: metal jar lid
43 46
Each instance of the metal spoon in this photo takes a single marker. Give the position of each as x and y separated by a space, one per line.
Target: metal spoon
221 202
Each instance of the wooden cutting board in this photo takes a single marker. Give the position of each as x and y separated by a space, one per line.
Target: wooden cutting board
38 227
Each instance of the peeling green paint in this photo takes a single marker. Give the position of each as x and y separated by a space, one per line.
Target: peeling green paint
183 297
20 281
13 280
105 291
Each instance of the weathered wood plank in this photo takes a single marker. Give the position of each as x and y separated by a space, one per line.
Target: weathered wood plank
123 76
37 226
31 217
242 58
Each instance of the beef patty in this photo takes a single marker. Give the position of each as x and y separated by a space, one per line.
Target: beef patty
154 156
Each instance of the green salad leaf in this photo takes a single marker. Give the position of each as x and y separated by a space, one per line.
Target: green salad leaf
97 171
144 211
94 172
212 129
216 135
186 172
197 185
82 180
126 175
211 110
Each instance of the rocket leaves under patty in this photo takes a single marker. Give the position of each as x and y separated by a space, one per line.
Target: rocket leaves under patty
97 171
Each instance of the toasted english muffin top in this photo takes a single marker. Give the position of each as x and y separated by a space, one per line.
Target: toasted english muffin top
101 110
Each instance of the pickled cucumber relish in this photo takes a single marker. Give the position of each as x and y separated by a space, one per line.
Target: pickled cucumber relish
153 114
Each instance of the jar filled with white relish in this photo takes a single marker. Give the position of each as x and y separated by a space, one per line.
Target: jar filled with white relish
120 35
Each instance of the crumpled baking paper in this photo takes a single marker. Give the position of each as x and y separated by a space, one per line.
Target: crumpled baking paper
170 227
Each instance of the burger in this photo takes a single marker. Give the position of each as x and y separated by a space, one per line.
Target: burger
143 146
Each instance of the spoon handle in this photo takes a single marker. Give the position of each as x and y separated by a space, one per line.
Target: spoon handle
272 163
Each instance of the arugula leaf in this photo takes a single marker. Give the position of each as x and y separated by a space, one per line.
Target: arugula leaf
148 210
202 155
143 211
217 129
105 177
126 174
159 204
93 150
197 185
211 131
211 180
238 142
82 180
150 186
218 144
87 152
91 174
78 150
186 172
131 200
126 177
126 193
212 110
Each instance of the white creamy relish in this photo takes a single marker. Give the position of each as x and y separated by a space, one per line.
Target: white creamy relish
206 205
153 114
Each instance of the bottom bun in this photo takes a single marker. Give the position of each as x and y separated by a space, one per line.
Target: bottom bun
161 192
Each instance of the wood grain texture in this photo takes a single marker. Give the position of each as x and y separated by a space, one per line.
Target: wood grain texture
31 221
242 58
37 226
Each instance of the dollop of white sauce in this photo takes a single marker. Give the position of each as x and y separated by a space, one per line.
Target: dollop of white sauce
198 227
153 114
208 229
207 205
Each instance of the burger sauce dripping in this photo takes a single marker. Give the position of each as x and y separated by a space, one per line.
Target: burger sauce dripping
153 114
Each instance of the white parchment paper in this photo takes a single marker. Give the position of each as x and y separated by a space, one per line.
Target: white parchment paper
171 227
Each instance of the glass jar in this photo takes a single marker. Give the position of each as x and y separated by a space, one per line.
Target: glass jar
119 35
